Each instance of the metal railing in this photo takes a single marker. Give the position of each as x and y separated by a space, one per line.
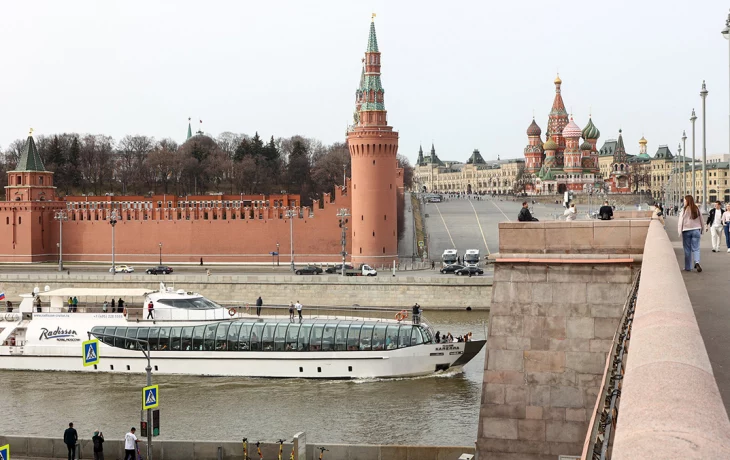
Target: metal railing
603 428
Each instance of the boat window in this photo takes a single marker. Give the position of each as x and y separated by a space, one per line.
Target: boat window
175 338
257 331
391 336
291 336
379 336
303 341
164 343
198 303
353 337
267 340
209 342
187 339
315 341
233 332
245 337
107 331
280 336
341 336
132 334
221 334
416 337
404 336
427 337
366 337
142 335
198 337
328 337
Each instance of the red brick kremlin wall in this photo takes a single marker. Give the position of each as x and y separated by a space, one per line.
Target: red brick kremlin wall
29 233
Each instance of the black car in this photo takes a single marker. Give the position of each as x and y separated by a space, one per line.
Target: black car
451 268
308 270
159 270
465 271
338 268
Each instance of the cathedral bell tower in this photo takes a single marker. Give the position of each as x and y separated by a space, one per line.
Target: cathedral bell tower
373 148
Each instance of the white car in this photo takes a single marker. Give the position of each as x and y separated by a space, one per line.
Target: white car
122 269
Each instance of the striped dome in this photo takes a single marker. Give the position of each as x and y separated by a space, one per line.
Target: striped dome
586 146
550 145
571 130
533 129
590 131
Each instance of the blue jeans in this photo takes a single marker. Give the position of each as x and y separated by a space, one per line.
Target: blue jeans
726 227
691 244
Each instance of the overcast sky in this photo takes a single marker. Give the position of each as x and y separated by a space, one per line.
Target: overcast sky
464 75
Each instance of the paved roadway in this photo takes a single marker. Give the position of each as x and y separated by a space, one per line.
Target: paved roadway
472 224
708 294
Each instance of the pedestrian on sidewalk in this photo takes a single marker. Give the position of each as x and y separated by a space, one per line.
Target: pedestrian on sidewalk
291 311
689 226
70 437
726 225
130 445
299 310
98 441
714 225
259 304
150 310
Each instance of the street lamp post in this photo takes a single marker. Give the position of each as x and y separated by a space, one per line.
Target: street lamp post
113 222
726 33
703 95
290 213
140 343
684 164
277 253
343 214
61 216
678 190
693 118
160 253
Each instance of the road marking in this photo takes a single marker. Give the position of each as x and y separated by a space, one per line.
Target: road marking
447 228
500 210
480 227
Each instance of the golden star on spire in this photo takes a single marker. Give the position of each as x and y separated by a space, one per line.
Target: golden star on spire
372 18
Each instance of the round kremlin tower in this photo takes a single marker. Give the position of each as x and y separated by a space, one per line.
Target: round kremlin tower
373 148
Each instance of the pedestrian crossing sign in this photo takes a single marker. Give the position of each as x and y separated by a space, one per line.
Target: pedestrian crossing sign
90 350
150 397
5 452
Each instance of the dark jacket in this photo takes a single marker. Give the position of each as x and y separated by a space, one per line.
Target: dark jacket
98 443
70 437
525 216
711 216
606 212
259 302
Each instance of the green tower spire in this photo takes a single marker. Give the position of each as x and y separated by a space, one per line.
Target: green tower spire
30 160
372 39
190 131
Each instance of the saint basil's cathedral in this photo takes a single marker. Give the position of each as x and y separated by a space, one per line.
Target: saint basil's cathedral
562 163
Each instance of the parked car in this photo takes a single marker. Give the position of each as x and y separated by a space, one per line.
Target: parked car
451 268
469 268
338 268
308 270
159 270
122 269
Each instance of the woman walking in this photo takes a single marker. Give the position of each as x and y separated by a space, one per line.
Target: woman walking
570 213
689 225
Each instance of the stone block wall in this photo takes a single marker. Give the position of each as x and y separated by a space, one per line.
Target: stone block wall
550 329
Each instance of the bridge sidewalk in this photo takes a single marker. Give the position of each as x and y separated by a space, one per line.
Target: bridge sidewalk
708 292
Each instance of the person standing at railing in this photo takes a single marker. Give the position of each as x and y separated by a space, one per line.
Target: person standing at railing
291 311
8 306
150 310
105 306
70 437
37 301
299 310
259 304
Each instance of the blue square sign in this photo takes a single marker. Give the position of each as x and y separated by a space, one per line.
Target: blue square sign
150 397
5 452
90 350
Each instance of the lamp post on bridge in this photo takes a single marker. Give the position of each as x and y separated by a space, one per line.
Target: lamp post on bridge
703 95
290 213
343 214
693 118
113 217
160 253
61 216
684 164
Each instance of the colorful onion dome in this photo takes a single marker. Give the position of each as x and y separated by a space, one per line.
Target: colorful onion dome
590 131
586 146
550 145
643 141
571 130
533 129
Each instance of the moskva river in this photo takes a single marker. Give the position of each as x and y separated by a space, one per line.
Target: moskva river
434 410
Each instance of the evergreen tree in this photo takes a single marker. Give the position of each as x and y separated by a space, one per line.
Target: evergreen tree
299 169
72 172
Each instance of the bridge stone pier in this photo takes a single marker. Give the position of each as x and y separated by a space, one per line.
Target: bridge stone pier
565 298
558 296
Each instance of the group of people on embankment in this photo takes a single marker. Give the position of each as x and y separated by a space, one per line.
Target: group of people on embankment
71 439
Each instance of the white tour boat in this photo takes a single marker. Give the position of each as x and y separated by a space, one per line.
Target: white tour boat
192 335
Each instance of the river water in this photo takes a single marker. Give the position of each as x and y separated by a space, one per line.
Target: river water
433 410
